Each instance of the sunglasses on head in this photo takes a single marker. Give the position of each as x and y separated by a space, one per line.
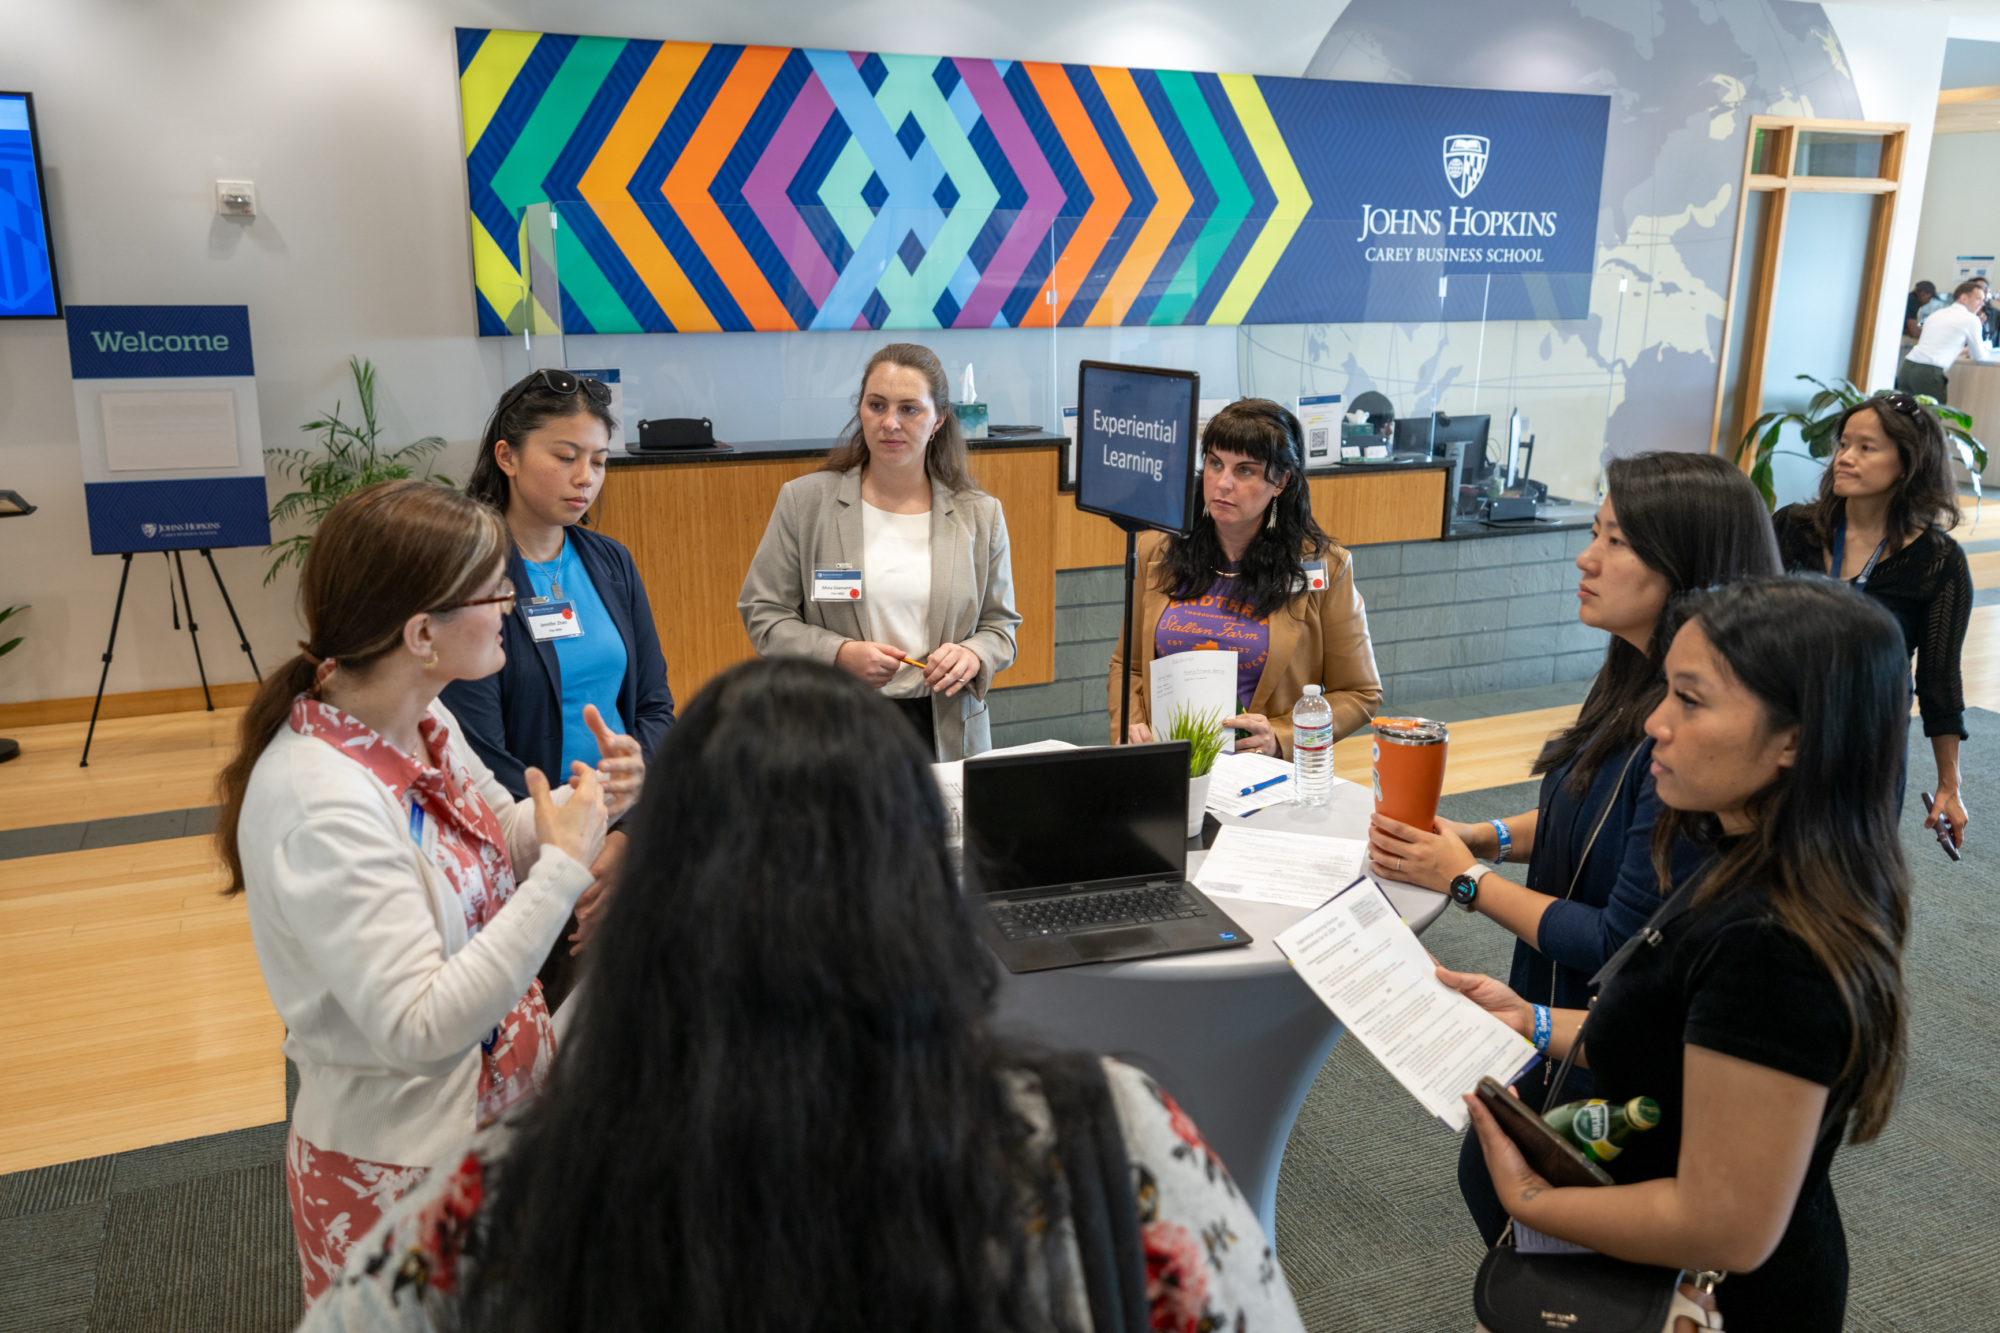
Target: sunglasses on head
556 381
1899 402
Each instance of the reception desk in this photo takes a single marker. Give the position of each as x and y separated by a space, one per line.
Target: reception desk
1975 390
693 520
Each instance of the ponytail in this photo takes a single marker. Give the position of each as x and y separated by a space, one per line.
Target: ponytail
267 712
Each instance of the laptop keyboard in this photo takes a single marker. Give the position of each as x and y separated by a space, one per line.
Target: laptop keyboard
1069 914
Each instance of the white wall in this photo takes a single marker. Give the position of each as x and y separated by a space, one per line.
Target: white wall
1897 58
345 114
1961 205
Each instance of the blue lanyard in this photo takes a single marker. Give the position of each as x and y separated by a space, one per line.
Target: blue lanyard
1840 552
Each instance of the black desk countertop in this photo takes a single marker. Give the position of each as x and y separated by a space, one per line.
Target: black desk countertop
1376 466
763 450
1548 518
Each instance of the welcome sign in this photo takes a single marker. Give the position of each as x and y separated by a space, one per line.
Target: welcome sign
716 187
166 414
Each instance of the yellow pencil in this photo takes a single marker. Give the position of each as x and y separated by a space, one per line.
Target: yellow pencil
921 666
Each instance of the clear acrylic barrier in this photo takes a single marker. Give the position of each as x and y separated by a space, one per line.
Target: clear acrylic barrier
1564 376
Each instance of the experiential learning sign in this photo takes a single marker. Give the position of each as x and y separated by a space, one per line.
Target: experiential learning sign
166 413
714 187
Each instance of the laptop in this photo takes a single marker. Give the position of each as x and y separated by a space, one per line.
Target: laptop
1081 857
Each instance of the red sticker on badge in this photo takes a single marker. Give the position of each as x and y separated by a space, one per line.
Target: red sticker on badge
568 614
854 593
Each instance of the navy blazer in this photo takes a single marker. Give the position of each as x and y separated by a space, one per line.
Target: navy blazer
513 717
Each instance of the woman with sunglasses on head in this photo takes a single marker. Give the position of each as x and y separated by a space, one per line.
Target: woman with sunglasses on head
1259 576
400 899
808 1121
1885 503
1671 524
890 563
585 680
1764 1006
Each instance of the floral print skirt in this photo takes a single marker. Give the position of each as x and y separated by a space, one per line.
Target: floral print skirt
337 1199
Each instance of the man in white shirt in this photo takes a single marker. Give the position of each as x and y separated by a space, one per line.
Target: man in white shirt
1947 334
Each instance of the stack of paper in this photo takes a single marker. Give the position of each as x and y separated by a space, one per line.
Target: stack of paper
1366 965
1238 785
1266 866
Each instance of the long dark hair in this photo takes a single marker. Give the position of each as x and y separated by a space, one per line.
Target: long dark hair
387 552
1925 496
1831 662
945 455
1696 521
1273 566
780 1106
535 408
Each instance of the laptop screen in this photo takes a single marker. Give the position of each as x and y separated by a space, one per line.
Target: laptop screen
1074 816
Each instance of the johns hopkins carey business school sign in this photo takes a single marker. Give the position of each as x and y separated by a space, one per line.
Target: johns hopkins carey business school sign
1495 192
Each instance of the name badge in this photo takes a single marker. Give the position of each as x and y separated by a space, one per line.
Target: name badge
836 585
1315 576
553 620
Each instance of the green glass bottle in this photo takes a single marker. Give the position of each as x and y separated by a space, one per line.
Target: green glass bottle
1600 1130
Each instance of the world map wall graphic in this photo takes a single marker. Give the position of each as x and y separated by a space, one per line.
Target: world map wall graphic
706 187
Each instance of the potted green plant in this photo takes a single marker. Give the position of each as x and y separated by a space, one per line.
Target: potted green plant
9 749
349 457
1204 734
1816 425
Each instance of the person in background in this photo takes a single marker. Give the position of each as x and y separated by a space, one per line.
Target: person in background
399 897
807 1121
1244 581
930 620
1920 297
1670 525
1765 1008
1953 331
1885 503
585 680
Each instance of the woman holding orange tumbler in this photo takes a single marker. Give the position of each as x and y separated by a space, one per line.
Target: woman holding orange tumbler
1670 524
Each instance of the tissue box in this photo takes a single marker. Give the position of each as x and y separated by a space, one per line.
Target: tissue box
971 419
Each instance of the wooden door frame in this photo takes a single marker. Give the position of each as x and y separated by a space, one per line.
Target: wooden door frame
1782 182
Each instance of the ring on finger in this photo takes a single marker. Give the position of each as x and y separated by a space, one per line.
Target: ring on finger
1399 865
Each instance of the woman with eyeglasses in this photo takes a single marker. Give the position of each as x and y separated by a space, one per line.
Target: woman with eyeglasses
1885 503
890 563
400 898
585 680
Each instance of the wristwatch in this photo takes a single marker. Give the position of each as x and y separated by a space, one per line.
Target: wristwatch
1465 887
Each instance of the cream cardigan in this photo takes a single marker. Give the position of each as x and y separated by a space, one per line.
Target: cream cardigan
364 949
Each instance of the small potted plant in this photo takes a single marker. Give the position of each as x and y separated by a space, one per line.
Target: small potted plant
1204 734
9 749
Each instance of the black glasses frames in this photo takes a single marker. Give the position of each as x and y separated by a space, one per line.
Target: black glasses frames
557 381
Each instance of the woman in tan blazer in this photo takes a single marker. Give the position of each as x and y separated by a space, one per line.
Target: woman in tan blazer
1259 576
890 554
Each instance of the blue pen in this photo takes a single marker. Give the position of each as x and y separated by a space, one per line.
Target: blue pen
1268 782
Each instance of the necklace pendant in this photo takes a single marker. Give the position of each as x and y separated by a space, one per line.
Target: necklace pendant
556 588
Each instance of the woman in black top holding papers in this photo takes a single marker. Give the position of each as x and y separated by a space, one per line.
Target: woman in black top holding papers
1885 502
1763 1008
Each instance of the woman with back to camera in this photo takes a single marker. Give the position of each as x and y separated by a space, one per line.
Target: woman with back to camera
1885 503
584 665
399 898
806 1121
1764 1008
895 502
1258 576
1671 524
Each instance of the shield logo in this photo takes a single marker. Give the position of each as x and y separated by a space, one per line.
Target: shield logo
1464 161
149 529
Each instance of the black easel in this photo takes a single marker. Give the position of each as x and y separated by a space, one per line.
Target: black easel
175 566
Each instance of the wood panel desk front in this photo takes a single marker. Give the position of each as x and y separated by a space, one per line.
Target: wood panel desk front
693 523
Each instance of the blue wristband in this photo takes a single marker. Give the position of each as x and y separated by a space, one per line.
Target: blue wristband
1506 838
1542 1027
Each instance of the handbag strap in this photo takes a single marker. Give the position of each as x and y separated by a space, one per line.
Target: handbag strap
1575 876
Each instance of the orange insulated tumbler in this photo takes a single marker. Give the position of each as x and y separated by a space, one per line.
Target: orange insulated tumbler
1409 768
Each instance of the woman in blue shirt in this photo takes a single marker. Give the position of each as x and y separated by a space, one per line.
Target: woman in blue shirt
585 680
1670 524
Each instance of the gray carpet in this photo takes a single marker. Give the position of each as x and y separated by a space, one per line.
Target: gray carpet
197 1235
1373 1234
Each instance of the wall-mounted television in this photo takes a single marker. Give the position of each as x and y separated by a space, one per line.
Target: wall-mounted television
27 259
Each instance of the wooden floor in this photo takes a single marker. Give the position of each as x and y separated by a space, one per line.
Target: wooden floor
139 1016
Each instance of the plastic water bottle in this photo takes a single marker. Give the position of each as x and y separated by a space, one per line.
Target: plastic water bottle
1312 747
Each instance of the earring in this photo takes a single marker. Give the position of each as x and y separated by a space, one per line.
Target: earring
430 662
1271 519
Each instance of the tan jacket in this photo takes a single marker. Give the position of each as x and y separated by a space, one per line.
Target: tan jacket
1316 638
817 521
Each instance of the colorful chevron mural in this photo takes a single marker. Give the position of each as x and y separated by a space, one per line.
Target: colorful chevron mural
706 187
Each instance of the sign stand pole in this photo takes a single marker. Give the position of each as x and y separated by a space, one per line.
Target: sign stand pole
1132 531
117 610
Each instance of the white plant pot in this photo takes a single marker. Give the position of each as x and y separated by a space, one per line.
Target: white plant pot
1197 802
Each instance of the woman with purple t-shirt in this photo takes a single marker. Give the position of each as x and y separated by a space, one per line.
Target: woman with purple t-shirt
1258 577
